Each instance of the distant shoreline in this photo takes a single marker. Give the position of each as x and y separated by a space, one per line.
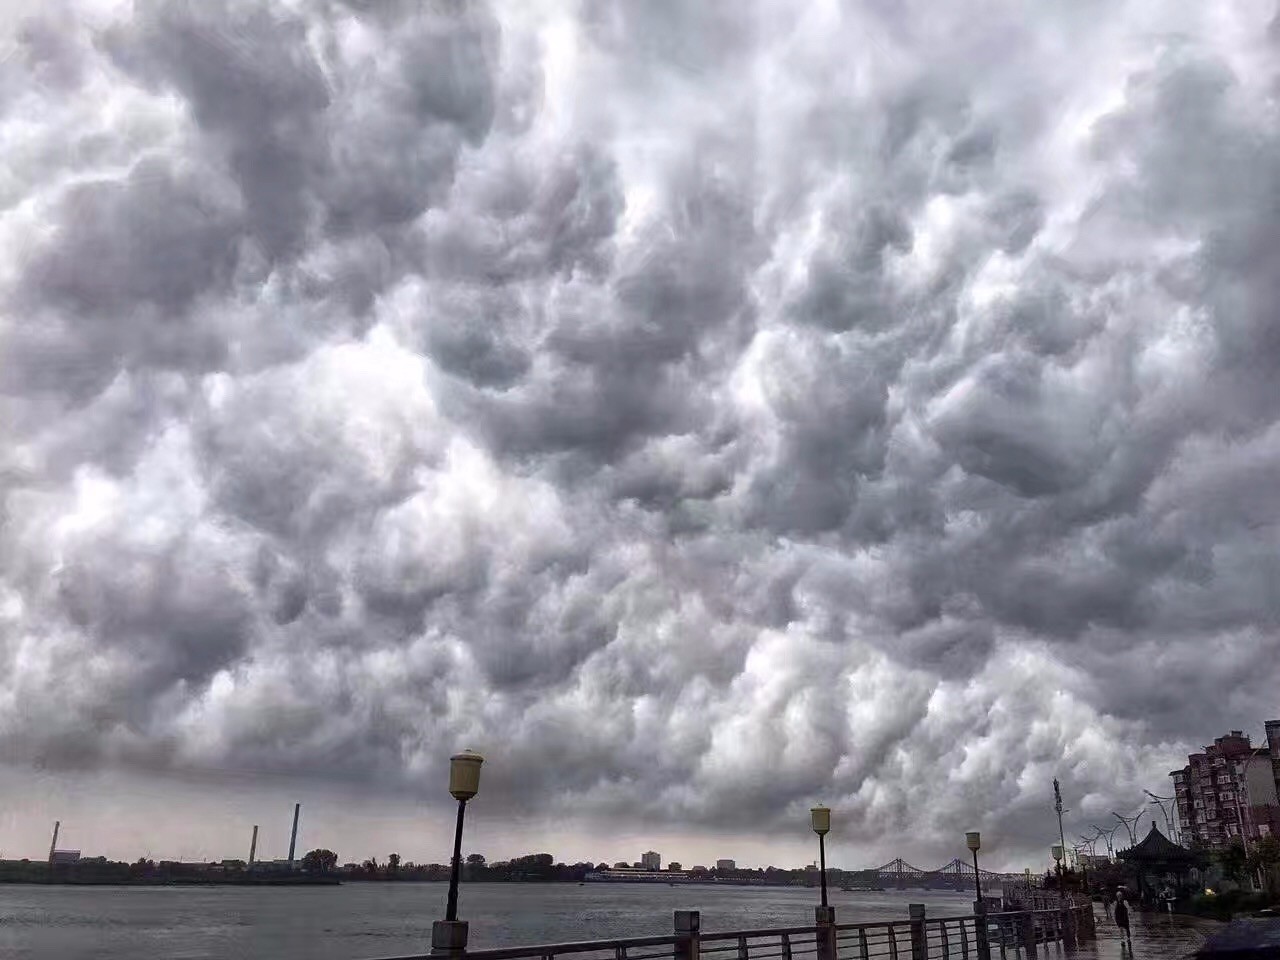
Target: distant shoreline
181 882
305 880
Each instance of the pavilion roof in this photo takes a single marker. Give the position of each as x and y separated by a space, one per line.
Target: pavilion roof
1155 847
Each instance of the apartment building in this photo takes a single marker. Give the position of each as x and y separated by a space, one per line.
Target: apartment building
1230 789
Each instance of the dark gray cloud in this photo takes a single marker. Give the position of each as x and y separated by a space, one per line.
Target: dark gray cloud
702 411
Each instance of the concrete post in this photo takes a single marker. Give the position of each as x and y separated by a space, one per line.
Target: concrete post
689 932
1068 922
825 918
1027 925
449 939
981 943
919 942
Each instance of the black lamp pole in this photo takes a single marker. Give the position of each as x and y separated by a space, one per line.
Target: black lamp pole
977 881
464 783
451 909
822 865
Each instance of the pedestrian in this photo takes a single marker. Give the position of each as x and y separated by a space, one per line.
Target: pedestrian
1122 917
1106 904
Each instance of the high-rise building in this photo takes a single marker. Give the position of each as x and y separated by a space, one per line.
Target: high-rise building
722 865
1230 789
650 861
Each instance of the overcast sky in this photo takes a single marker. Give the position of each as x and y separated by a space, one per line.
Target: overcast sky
702 410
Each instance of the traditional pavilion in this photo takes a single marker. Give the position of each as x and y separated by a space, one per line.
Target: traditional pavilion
1158 862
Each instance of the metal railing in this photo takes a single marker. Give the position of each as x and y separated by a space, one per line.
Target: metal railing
1004 935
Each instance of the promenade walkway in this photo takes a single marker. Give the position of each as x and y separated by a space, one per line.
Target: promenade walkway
1156 936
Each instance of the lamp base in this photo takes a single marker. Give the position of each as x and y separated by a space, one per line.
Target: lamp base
448 938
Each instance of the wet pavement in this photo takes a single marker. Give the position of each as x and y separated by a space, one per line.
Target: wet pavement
1156 936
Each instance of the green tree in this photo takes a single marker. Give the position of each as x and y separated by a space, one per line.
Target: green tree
319 861
475 860
1263 858
1232 861
393 863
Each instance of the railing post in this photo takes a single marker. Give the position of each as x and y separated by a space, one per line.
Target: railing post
980 942
1089 927
449 939
825 917
1068 928
688 934
919 944
1027 921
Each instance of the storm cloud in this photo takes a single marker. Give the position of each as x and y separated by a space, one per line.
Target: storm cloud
700 409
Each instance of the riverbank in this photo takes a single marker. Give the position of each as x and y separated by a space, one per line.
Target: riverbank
302 880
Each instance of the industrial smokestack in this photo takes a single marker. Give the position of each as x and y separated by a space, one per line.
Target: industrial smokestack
293 837
253 844
53 844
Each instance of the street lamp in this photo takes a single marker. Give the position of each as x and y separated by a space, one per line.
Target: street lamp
973 840
464 783
1170 814
820 820
1056 850
1081 851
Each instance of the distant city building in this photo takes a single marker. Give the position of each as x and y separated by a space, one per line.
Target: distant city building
650 860
698 869
726 865
65 856
1229 789
674 866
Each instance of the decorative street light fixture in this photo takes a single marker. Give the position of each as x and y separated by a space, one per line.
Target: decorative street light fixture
820 820
464 783
1108 836
973 840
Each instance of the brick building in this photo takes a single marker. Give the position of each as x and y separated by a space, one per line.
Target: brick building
1229 784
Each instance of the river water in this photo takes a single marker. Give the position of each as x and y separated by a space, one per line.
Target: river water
360 920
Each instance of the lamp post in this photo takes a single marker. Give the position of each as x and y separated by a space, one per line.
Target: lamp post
1057 805
464 783
973 840
1081 851
1109 837
1170 813
820 820
1056 850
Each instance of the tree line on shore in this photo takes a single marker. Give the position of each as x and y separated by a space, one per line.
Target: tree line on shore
544 868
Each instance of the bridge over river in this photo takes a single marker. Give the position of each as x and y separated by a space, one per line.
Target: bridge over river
957 875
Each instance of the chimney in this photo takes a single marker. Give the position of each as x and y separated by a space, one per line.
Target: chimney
53 844
253 844
293 837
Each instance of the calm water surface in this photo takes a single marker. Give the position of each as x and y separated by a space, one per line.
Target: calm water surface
380 919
